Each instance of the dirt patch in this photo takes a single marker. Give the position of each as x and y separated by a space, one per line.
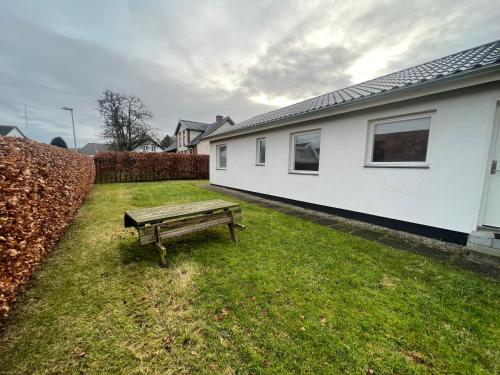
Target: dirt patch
388 282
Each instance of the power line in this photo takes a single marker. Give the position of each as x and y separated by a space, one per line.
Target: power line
26 116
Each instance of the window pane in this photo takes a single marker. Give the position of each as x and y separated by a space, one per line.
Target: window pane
222 157
262 151
401 141
306 152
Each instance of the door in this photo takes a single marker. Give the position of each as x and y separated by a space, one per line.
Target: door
492 208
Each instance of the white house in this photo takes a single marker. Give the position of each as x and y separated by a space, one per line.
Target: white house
415 150
191 135
91 149
149 146
11 131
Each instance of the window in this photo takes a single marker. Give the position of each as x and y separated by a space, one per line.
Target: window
399 142
261 151
221 156
305 152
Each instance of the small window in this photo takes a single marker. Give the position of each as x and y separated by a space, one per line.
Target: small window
261 151
221 157
305 152
399 142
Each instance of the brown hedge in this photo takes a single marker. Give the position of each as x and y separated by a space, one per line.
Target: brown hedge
41 189
142 166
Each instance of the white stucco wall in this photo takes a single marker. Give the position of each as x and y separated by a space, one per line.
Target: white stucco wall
203 148
15 133
181 146
446 195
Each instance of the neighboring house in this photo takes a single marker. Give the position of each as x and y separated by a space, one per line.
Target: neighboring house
191 135
149 146
171 148
91 149
416 150
11 131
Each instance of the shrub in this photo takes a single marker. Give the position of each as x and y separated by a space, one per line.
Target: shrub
41 189
59 142
143 166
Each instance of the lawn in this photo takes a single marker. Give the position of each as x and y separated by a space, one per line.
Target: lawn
291 297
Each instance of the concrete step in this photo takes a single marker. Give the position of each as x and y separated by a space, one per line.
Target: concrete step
484 241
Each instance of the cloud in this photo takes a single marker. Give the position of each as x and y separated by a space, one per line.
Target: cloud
47 70
197 59
298 72
351 43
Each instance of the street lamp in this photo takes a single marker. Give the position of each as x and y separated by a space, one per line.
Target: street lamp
72 121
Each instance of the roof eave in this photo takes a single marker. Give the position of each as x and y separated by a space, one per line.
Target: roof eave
177 128
19 130
443 84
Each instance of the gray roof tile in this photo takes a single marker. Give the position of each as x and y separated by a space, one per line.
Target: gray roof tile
6 129
462 62
94 148
194 125
208 128
172 147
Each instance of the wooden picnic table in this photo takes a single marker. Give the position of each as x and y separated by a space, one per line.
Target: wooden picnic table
156 224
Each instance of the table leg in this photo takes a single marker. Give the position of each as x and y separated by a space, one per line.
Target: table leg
163 254
161 249
231 228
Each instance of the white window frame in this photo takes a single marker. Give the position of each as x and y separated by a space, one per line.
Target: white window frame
257 151
217 156
397 164
291 162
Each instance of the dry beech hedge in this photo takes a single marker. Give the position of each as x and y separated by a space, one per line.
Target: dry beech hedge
41 189
142 166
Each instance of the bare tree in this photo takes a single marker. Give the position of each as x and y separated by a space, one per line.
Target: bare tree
125 120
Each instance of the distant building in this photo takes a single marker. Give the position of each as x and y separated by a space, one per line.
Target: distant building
11 131
91 149
191 135
149 146
171 148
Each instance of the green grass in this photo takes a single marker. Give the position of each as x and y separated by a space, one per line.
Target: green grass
291 297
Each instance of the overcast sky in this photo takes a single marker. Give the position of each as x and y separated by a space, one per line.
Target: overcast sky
197 59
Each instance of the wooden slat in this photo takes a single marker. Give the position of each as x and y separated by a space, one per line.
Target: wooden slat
151 215
194 228
147 234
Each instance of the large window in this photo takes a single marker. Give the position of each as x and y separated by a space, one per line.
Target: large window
261 151
399 142
221 156
305 149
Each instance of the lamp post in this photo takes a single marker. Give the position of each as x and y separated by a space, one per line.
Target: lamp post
72 122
